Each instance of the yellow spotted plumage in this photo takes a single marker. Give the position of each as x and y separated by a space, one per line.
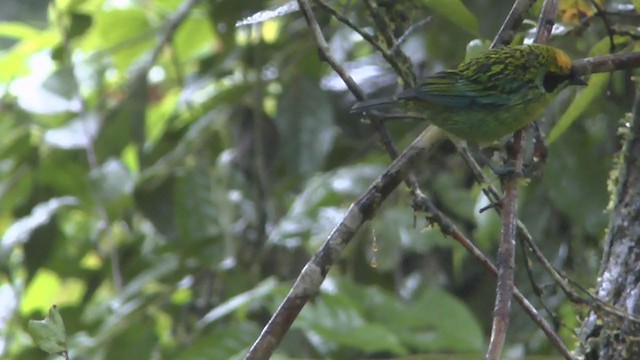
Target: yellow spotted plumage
491 95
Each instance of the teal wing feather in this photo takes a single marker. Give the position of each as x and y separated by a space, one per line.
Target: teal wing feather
451 89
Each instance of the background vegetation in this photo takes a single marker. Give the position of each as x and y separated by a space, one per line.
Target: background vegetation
164 188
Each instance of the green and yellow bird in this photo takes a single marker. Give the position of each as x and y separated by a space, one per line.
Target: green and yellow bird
491 95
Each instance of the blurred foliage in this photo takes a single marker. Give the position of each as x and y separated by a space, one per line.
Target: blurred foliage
165 207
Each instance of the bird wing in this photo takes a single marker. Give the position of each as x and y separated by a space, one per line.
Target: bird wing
451 89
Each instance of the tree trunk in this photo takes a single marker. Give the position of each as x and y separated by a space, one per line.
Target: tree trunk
604 335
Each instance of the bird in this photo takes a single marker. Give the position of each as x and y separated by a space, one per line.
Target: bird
489 96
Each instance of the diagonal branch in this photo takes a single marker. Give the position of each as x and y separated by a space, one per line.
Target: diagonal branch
512 23
364 208
310 278
323 47
447 227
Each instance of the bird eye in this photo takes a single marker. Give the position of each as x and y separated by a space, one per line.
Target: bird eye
551 81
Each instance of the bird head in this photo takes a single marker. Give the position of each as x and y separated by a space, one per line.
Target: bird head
557 70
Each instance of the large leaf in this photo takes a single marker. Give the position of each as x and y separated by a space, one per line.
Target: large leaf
229 342
194 38
435 321
578 168
20 59
597 86
338 319
125 32
20 231
442 322
112 183
456 12
305 121
17 30
49 334
239 301
76 134
196 213
322 195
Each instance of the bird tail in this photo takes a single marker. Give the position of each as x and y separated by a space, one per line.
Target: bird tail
364 106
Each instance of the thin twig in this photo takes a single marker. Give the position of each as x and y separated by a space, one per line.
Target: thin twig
600 13
381 23
409 31
170 29
565 284
323 47
511 23
403 66
447 227
345 20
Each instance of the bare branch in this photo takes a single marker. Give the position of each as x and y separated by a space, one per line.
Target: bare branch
448 228
506 251
323 47
509 209
362 210
386 54
607 63
511 23
546 21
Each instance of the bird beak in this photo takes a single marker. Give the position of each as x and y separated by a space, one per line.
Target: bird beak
576 80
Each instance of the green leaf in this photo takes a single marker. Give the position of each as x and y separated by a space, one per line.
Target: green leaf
305 119
80 23
15 63
338 319
244 299
597 86
229 342
442 322
76 134
19 232
62 83
456 12
394 229
322 193
39 100
136 341
194 38
16 30
112 182
49 334
126 123
578 168
436 321
196 214
126 32
157 203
